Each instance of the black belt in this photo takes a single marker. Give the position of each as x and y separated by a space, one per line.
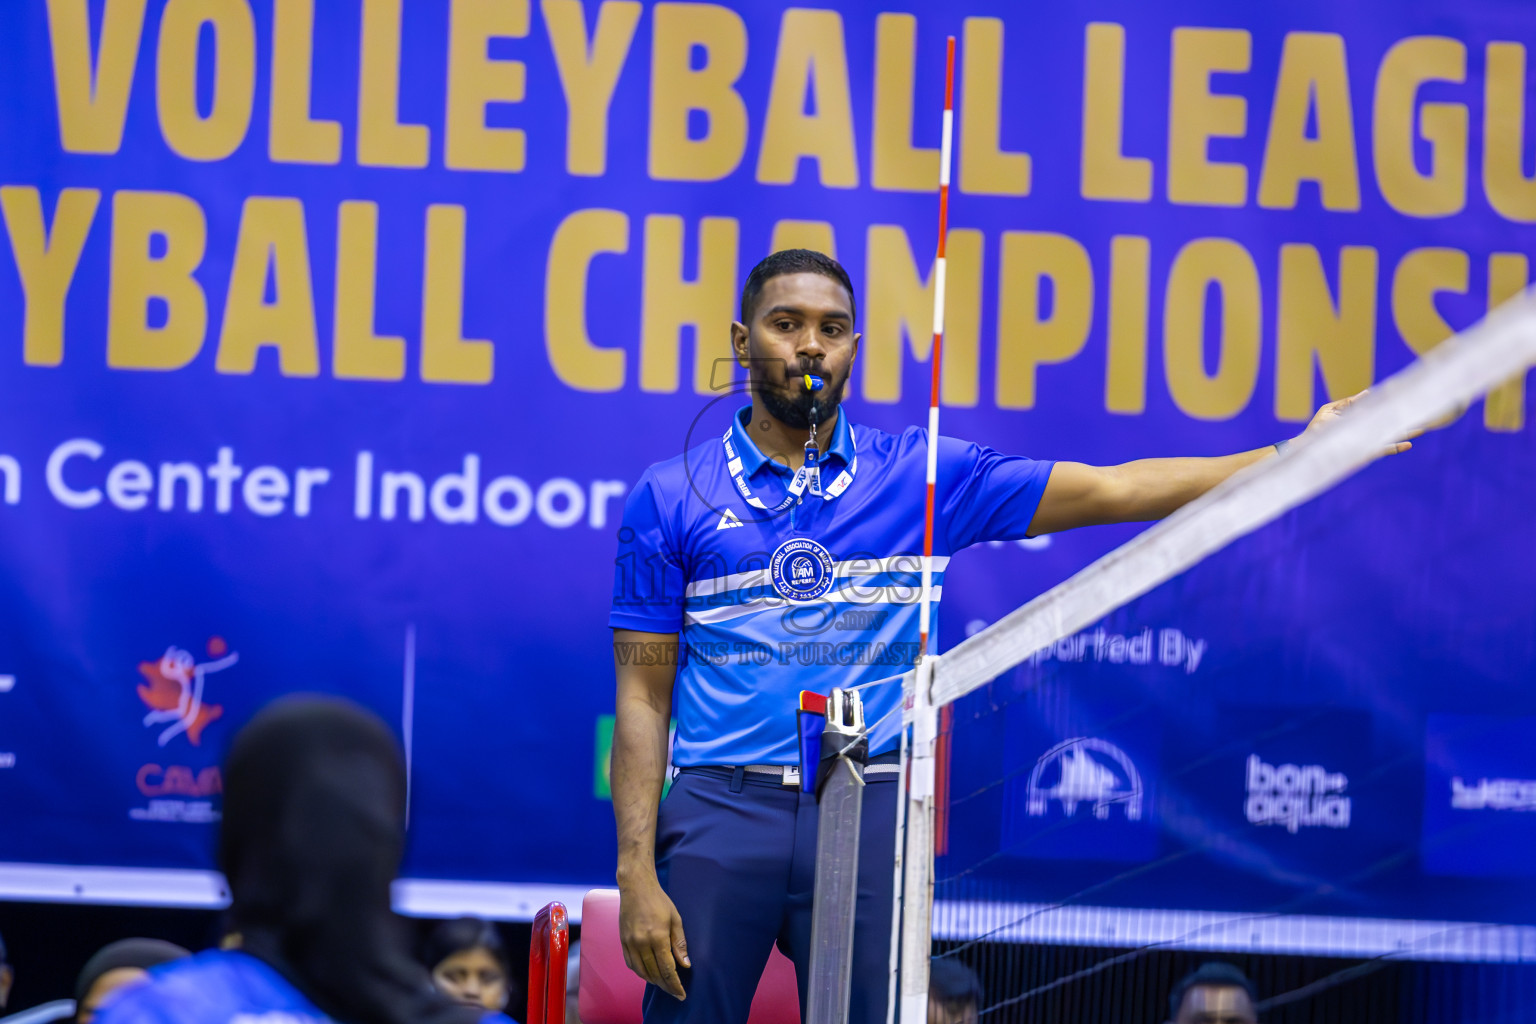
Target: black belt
786 774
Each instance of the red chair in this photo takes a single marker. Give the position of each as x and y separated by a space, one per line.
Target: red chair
610 992
547 955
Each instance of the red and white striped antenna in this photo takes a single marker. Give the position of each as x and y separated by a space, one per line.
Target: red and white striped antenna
925 613
912 911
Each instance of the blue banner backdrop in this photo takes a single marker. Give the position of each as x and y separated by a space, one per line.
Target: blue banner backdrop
333 335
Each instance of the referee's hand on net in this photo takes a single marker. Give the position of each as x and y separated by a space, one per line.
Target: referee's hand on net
1336 410
652 934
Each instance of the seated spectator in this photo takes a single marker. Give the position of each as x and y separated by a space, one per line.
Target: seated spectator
313 830
954 994
469 962
115 969
1215 993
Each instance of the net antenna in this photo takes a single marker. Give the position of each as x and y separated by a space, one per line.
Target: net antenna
912 913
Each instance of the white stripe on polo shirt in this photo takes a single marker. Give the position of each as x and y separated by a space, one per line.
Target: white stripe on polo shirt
878 595
908 563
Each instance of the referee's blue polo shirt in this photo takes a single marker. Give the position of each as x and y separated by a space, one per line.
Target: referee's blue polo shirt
822 594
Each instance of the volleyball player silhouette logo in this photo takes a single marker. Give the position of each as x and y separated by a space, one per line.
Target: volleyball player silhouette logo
173 690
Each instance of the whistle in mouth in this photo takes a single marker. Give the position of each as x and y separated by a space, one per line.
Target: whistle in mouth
812 382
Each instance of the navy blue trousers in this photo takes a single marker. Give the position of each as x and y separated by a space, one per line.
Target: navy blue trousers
739 861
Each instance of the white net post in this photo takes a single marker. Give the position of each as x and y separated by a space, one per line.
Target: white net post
917 863
900 857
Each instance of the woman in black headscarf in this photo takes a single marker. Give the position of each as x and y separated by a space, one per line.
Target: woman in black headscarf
313 831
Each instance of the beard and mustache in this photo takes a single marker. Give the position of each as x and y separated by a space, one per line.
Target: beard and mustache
794 409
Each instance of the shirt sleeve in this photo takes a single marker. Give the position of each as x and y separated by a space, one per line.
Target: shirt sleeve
648 572
986 495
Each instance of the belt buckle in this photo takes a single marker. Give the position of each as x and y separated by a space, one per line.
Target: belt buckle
791 776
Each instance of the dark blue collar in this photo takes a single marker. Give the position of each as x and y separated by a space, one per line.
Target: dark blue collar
752 458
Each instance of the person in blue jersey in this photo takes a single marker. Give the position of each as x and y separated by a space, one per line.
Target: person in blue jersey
738 584
117 967
312 835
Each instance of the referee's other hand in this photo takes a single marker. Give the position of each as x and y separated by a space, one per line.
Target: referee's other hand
652 933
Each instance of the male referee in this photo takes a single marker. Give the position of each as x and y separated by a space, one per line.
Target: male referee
733 592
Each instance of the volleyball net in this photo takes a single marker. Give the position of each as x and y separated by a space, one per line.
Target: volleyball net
1066 762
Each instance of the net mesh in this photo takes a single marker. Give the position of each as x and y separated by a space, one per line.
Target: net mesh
1302 756
1134 810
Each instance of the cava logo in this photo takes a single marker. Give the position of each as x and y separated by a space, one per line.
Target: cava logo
175 691
1084 770
1493 795
1295 797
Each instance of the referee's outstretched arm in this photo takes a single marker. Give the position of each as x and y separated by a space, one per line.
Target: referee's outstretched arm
1134 492
649 925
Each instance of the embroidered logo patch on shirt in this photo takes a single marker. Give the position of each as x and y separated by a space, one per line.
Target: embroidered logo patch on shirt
801 569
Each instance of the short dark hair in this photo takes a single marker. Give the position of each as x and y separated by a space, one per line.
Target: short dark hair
953 984
793 261
460 935
1213 972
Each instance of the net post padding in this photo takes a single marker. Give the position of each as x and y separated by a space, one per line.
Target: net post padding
1444 380
840 800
